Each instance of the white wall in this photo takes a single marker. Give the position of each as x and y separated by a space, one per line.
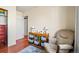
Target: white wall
11 24
54 18
19 25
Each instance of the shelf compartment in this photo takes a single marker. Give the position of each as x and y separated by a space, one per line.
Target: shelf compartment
31 41
36 42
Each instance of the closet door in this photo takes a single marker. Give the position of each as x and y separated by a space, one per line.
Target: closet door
19 25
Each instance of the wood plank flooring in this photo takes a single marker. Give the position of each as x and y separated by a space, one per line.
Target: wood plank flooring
22 43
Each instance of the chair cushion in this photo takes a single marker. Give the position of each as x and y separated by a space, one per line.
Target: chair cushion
64 51
65 46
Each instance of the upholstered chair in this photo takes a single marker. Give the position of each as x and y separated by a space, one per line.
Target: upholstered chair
61 42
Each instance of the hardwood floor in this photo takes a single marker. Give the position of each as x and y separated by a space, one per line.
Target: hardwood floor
4 49
19 46
22 43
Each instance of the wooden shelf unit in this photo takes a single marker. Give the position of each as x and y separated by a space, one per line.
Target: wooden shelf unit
3 27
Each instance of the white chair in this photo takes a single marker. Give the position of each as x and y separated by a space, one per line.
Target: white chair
62 42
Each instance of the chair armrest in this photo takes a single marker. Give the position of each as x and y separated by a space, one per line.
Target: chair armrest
51 48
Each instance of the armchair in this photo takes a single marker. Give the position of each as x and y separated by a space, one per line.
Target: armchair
61 42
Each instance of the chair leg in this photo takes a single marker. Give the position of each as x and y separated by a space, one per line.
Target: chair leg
58 48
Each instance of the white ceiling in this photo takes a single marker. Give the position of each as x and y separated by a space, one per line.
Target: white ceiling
24 8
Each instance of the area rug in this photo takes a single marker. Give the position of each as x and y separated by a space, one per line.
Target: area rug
32 49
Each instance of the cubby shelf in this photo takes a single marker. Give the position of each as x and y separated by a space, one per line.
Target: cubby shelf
38 39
